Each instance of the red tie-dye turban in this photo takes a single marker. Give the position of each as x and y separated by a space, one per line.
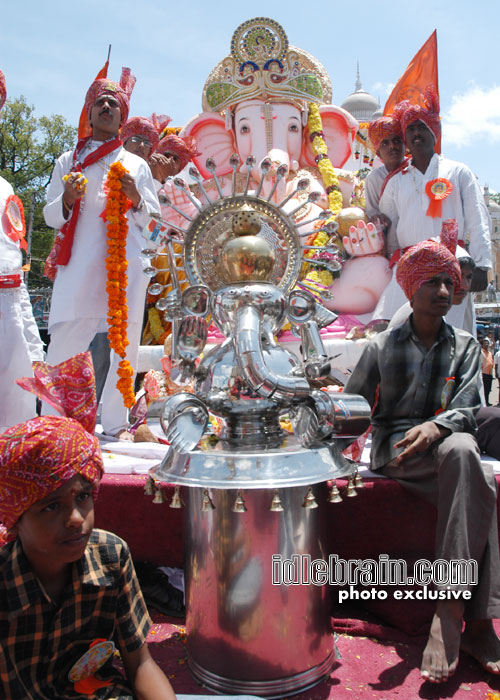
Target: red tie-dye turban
149 129
422 262
40 455
121 91
429 113
382 128
185 148
3 90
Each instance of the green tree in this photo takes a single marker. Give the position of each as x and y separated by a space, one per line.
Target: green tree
29 148
495 196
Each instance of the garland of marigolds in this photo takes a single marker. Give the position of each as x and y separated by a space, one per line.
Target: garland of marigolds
116 284
331 183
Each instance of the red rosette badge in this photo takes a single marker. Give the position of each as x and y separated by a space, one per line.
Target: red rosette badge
13 220
437 190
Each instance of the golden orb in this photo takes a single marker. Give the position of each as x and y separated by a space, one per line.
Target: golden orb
349 217
246 258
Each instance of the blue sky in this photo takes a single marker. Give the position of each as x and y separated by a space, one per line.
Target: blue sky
51 51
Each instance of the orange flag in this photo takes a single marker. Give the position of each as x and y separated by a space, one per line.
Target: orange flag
83 125
422 71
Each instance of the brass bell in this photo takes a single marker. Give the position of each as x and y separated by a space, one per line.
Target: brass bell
239 504
149 488
350 491
159 497
176 501
358 481
206 502
334 494
309 500
276 504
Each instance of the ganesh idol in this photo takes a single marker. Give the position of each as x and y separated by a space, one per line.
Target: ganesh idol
268 128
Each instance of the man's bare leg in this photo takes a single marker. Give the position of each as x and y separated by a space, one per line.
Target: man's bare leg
481 642
440 657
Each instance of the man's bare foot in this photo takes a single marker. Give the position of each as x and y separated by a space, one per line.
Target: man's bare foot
481 642
144 434
440 657
124 435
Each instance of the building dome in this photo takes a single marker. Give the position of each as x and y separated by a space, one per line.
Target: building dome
363 106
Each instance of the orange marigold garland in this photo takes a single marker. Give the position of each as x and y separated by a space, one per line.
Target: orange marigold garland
117 205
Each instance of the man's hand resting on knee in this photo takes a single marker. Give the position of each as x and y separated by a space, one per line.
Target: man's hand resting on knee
420 438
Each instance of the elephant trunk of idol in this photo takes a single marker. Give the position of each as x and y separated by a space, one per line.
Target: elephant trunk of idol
278 157
289 389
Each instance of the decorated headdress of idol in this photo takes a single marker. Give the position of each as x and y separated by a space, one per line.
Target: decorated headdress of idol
262 66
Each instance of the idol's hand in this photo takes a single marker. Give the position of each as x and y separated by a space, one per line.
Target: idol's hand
363 239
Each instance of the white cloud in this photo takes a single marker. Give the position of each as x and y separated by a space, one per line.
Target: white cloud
473 115
382 89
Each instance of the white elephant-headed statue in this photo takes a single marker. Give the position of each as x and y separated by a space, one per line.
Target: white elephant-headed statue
270 103
256 103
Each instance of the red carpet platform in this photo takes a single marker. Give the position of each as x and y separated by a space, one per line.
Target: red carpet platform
377 663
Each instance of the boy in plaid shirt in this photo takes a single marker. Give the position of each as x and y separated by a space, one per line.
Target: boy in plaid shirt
63 586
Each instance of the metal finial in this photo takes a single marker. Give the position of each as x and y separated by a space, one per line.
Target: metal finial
358 481
196 176
234 162
281 172
323 214
211 166
239 504
206 502
265 167
350 491
149 488
334 494
276 504
182 185
309 500
301 185
155 289
150 271
169 203
176 501
311 199
250 163
159 497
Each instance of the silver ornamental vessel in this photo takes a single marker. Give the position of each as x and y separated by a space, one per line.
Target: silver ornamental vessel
255 491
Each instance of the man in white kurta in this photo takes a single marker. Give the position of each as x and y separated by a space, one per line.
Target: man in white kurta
405 201
387 139
79 299
20 342
19 337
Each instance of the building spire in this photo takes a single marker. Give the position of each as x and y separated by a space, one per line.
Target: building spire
358 87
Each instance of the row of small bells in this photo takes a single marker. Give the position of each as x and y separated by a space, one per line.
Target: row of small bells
354 482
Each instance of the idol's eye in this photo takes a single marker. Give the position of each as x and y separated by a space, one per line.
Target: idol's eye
293 128
244 129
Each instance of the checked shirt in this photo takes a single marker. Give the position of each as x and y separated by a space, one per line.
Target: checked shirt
40 640
413 384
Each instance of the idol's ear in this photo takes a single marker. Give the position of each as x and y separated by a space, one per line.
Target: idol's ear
339 129
213 140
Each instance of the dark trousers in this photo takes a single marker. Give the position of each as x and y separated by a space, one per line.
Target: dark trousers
452 477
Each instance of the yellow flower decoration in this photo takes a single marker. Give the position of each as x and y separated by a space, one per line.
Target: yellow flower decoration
334 195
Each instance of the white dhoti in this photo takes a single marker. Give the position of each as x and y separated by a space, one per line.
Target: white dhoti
16 404
68 338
